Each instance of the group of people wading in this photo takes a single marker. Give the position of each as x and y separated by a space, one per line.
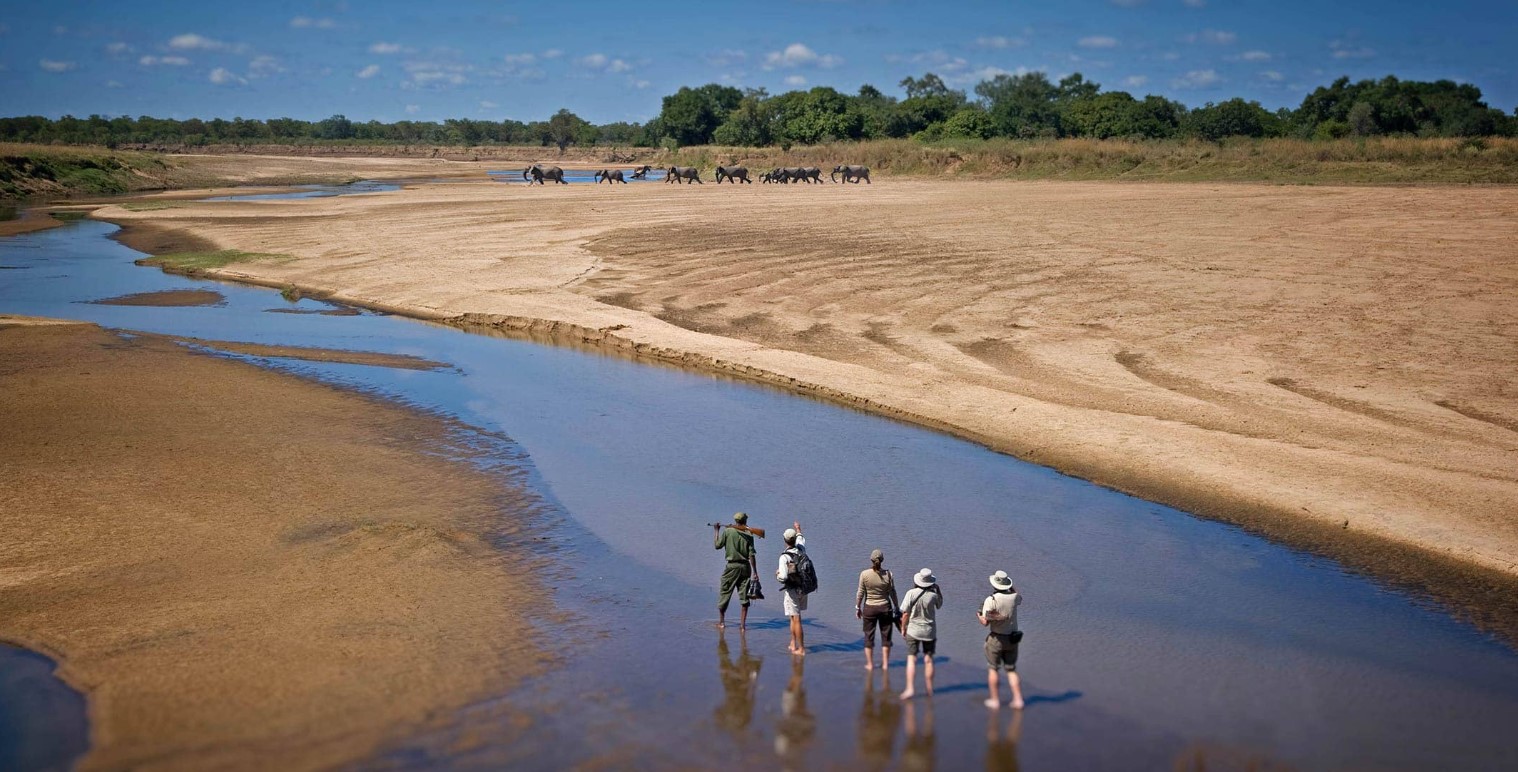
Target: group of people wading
877 602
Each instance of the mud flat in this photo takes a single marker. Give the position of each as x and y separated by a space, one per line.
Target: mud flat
240 568
1330 366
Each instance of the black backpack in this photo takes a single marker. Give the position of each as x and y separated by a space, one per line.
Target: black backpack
802 575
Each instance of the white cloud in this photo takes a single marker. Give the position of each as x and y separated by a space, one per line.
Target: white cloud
170 61
1272 76
798 55
264 66
603 63
1194 3
436 74
113 84
413 109
1214 37
641 84
1128 3
486 104
727 57
368 72
53 65
1000 41
306 22
117 49
221 76
1348 49
385 48
795 80
519 59
1255 56
1170 56
1097 41
1197 79
552 53
1135 81
194 42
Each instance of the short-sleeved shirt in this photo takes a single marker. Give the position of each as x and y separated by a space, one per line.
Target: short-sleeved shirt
1005 604
739 545
921 607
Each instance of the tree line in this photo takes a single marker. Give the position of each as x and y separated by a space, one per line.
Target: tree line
1025 106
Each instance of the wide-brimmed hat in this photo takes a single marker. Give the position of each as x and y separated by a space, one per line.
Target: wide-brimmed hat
740 518
1001 581
876 556
925 578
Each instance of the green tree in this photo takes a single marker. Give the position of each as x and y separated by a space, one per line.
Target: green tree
970 122
691 115
565 129
1233 118
751 124
1022 105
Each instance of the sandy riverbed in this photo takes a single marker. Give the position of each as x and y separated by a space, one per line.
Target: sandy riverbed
241 568
1330 365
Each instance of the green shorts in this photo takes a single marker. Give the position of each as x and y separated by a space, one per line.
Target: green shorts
734 579
929 648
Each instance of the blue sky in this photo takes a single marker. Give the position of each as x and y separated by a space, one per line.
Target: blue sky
612 61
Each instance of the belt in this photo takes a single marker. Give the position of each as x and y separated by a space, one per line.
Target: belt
737 562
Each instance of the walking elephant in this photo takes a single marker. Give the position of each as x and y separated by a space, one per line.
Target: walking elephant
733 174
615 175
852 174
811 174
682 174
538 172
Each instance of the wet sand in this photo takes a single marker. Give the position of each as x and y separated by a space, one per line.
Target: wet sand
240 568
1331 366
166 299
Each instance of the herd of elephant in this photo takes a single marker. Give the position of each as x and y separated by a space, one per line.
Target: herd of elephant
686 174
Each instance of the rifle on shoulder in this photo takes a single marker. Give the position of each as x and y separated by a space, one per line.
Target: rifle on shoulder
744 528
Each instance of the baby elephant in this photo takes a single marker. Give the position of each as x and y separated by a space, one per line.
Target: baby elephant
642 172
733 174
681 174
853 174
615 175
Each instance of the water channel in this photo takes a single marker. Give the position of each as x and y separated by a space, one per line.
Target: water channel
1154 639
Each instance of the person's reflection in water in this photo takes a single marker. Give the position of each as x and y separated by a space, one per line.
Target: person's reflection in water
740 684
1001 748
921 748
797 724
878 718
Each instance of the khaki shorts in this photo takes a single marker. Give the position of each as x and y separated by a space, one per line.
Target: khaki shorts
929 648
1001 652
795 603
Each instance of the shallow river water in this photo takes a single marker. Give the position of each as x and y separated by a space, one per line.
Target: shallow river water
1154 639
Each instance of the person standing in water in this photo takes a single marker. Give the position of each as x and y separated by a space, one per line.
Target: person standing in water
876 603
999 613
739 547
919 626
789 574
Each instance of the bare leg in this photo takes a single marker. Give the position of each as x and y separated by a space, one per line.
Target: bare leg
798 637
743 619
994 701
1016 682
911 677
927 671
869 656
885 656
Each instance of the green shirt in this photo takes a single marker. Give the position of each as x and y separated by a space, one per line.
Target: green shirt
739 545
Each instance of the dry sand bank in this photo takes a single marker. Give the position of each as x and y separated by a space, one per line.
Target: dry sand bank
240 568
1332 366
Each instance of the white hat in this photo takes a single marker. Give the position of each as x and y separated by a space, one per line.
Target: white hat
925 578
790 533
1001 581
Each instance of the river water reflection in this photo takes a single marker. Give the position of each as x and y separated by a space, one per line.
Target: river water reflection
1154 639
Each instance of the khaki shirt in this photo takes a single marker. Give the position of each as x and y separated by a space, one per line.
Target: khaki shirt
739 545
